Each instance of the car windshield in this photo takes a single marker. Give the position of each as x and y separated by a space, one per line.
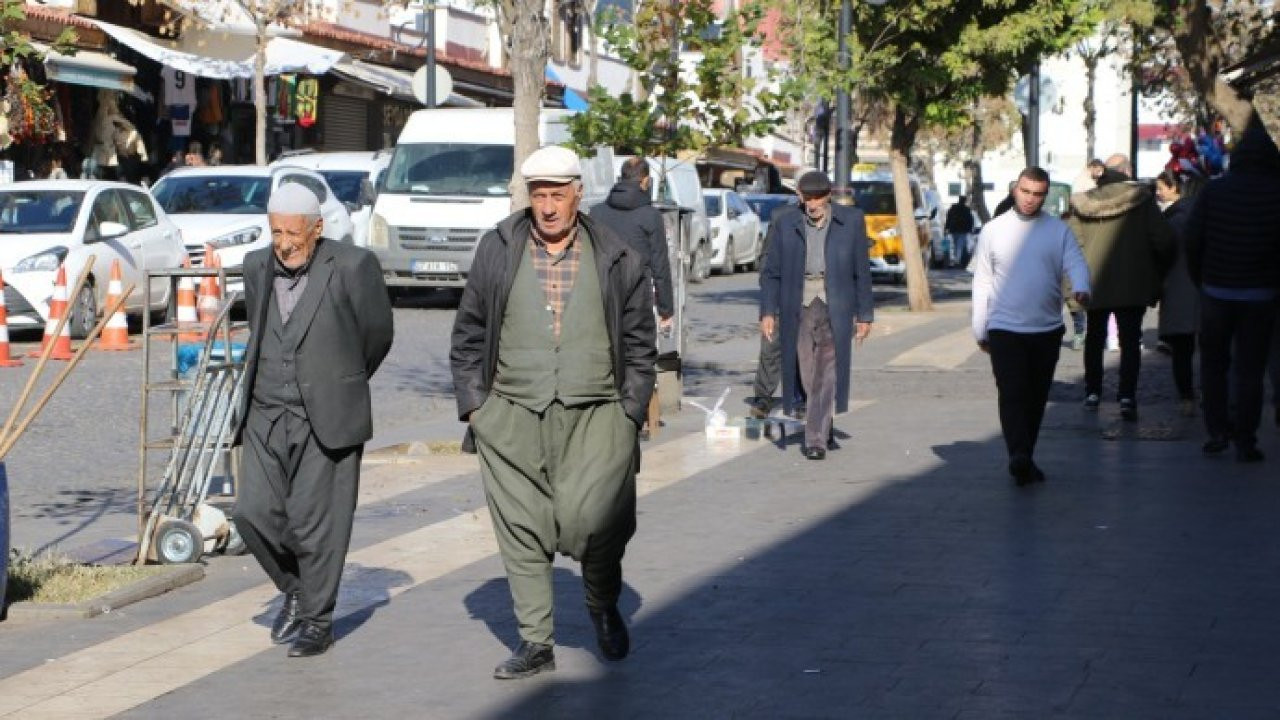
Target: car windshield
450 169
39 211
713 205
764 206
213 194
345 184
874 197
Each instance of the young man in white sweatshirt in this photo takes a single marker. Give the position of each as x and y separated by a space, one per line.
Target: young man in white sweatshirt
1018 269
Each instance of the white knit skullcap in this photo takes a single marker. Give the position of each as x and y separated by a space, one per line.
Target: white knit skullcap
293 199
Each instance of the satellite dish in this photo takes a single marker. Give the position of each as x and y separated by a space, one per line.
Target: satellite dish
444 85
1022 91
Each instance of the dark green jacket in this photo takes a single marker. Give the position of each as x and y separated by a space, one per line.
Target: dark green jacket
1126 241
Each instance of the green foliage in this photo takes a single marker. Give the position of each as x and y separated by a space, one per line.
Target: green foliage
714 105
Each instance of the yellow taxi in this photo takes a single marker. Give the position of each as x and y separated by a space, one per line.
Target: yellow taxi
872 188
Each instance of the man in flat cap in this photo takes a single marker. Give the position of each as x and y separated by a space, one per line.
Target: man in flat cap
815 286
553 364
321 323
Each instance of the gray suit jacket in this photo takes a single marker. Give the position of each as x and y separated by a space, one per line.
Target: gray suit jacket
347 314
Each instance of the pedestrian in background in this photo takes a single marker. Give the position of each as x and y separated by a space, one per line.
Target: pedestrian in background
630 214
1021 263
769 363
1180 300
320 324
553 365
1233 254
815 286
959 227
1129 248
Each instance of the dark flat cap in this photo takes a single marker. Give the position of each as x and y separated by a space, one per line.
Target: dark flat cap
814 184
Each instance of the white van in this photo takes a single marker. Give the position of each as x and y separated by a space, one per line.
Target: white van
446 186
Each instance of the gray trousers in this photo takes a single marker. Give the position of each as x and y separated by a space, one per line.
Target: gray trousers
294 506
559 481
769 367
816 357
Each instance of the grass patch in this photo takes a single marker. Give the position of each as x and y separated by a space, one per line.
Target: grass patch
57 579
445 447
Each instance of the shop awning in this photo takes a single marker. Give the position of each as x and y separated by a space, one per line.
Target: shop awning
226 60
391 81
90 68
572 100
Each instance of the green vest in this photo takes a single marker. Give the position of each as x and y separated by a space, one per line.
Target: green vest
533 368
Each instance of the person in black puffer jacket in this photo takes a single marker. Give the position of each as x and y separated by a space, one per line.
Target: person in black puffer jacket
1233 254
630 214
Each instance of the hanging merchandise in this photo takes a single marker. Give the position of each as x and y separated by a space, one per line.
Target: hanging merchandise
286 91
180 97
308 102
30 116
113 134
210 105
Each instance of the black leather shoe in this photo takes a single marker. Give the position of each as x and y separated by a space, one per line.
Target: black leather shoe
1215 445
287 622
611 633
815 453
528 660
311 640
1128 410
831 442
1022 470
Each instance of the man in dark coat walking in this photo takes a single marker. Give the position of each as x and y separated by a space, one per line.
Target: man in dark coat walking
959 227
630 214
815 284
321 325
1233 254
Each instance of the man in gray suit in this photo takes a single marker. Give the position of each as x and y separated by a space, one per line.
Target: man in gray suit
321 324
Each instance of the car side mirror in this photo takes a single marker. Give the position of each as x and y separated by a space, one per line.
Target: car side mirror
368 193
352 207
933 214
733 214
109 230
921 214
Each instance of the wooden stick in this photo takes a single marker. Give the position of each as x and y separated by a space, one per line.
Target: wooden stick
44 356
71 365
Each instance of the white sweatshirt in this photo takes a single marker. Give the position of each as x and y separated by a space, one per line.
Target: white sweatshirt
1018 268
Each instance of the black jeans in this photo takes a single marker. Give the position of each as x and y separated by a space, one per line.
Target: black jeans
1023 364
1183 348
1234 339
1129 322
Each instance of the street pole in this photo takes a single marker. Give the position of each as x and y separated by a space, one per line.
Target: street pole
1033 116
427 23
843 141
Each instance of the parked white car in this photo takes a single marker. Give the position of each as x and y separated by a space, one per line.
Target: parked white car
735 231
352 176
225 207
49 223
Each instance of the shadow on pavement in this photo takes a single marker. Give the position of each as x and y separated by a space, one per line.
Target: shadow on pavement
368 588
491 603
1139 581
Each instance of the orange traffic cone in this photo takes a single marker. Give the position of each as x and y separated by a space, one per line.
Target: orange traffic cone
187 306
210 293
5 360
57 310
115 335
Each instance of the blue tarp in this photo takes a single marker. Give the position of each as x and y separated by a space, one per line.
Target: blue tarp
572 100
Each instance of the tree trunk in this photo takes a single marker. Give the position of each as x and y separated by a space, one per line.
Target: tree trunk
528 71
1090 107
1192 30
973 182
593 53
260 96
903 137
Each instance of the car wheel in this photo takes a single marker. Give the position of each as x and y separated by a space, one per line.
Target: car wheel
84 312
730 263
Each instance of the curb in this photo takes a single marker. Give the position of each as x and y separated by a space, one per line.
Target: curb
162 582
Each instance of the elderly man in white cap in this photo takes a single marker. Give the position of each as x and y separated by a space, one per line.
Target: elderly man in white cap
553 364
321 324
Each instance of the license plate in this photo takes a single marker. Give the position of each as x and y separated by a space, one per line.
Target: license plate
434 266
